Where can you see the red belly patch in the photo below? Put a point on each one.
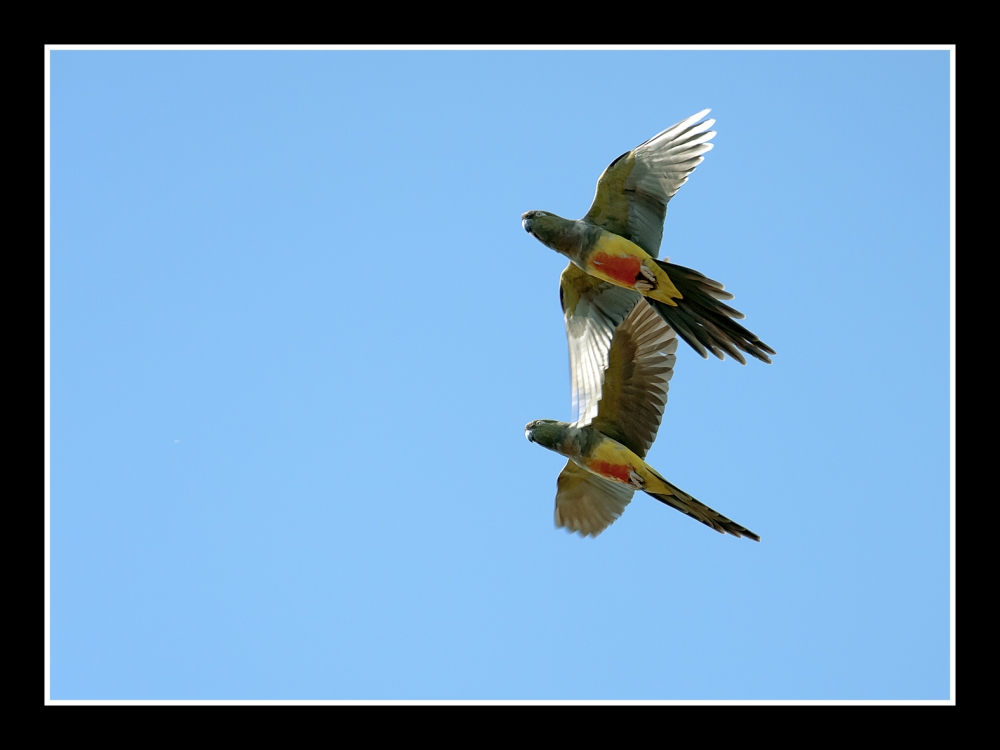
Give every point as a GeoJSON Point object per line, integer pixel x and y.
{"type": "Point", "coordinates": [618, 268]}
{"type": "Point", "coordinates": [611, 471]}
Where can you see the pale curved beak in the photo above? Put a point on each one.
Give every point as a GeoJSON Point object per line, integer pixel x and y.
{"type": "Point", "coordinates": [527, 434]}
{"type": "Point", "coordinates": [526, 223]}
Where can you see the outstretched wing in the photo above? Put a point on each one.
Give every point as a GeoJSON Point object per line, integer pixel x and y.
{"type": "Point", "coordinates": [634, 393]}
{"type": "Point", "coordinates": [593, 309]}
{"type": "Point", "coordinates": [632, 193]}
{"type": "Point", "coordinates": [586, 502]}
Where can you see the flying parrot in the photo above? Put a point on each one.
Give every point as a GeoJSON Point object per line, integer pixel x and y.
{"type": "Point", "coordinates": [607, 445]}
{"type": "Point", "coordinates": [613, 249]}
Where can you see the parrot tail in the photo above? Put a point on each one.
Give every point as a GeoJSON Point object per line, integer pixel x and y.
{"type": "Point", "coordinates": [706, 323]}
{"type": "Point", "coordinates": [682, 501]}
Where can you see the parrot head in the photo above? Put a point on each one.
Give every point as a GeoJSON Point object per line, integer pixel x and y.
{"type": "Point", "coordinates": [547, 228]}
{"type": "Point", "coordinates": [546, 432]}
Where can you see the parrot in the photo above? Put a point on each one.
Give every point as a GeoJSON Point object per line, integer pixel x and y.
{"type": "Point", "coordinates": [613, 252]}
{"type": "Point", "coordinates": [607, 444]}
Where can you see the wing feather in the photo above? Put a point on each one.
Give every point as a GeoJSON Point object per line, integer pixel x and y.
{"type": "Point", "coordinates": [593, 309]}
{"type": "Point", "coordinates": [587, 503]}
{"type": "Point", "coordinates": [633, 191]}
{"type": "Point", "coordinates": [636, 381]}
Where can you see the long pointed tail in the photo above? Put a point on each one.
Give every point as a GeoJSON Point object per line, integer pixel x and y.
{"type": "Point", "coordinates": [703, 321]}
{"type": "Point", "coordinates": [682, 501]}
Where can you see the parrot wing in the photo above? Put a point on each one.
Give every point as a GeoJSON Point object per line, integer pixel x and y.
{"type": "Point", "coordinates": [634, 392]}
{"type": "Point", "coordinates": [593, 309]}
{"type": "Point", "coordinates": [588, 503]}
{"type": "Point", "coordinates": [633, 192]}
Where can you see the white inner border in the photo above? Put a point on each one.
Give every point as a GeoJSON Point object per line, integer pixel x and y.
{"type": "Point", "coordinates": [462, 47]}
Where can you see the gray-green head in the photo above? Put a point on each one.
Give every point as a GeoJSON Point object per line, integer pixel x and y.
{"type": "Point", "coordinates": [547, 228]}
{"type": "Point", "coordinates": [546, 432]}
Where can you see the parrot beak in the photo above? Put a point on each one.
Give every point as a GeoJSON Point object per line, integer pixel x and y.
{"type": "Point", "coordinates": [526, 223]}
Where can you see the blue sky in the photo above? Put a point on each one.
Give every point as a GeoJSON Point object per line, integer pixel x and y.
{"type": "Point", "coordinates": [297, 331]}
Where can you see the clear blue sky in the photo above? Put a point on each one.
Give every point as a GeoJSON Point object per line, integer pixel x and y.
{"type": "Point", "coordinates": [297, 331]}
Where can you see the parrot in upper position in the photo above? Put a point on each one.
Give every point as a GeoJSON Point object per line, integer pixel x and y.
{"type": "Point", "coordinates": [615, 428]}
{"type": "Point", "coordinates": [612, 252]}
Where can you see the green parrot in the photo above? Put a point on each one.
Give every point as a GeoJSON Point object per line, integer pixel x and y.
{"type": "Point", "coordinates": [612, 251]}
{"type": "Point", "coordinates": [607, 445]}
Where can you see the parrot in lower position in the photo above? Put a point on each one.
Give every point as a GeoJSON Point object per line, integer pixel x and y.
{"type": "Point", "coordinates": [617, 241]}
{"type": "Point", "coordinates": [617, 424]}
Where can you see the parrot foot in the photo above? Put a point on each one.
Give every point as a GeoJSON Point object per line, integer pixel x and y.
{"type": "Point", "coordinates": [635, 480]}
{"type": "Point", "coordinates": [648, 281]}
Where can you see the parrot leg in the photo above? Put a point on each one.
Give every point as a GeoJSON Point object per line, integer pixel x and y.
{"type": "Point", "coordinates": [648, 282]}
{"type": "Point", "coordinates": [635, 480]}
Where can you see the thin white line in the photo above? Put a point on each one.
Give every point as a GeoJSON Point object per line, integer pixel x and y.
{"type": "Point", "coordinates": [505, 702]}
{"type": "Point", "coordinates": [951, 333]}
{"type": "Point", "coordinates": [48, 362]}
{"type": "Point", "coordinates": [511, 47]}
